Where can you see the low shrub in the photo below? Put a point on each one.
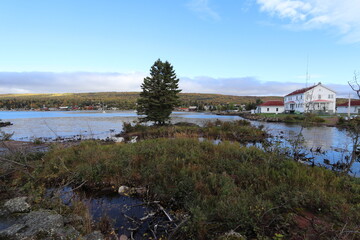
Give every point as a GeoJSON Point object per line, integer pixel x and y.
{"type": "Point", "coordinates": [240, 131]}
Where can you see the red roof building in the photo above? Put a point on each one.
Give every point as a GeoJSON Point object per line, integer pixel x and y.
{"type": "Point", "coordinates": [317, 98]}
{"type": "Point", "coordinates": [273, 103]}
{"type": "Point", "coordinates": [273, 106]}
{"type": "Point", "coordinates": [352, 103]}
{"type": "Point", "coordinates": [344, 107]}
{"type": "Point", "coordinates": [299, 91]}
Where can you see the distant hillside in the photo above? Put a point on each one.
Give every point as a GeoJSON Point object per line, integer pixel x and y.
{"type": "Point", "coordinates": [121, 100]}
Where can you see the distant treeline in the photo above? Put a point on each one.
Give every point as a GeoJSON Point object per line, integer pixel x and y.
{"type": "Point", "coordinates": [124, 101]}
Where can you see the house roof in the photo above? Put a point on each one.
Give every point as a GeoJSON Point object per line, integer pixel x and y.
{"type": "Point", "coordinates": [299, 91]}
{"type": "Point", "coordinates": [352, 103]}
{"type": "Point", "coordinates": [272, 103]}
{"type": "Point", "coordinates": [302, 90]}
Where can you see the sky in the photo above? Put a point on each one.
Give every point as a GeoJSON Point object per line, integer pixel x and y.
{"type": "Point", "coordinates": [236, 47]}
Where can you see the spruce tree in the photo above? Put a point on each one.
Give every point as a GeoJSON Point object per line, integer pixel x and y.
{"type": "Point", "coordinates": [159, 94]}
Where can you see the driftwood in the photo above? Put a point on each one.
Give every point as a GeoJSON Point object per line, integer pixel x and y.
{"type": "Point", "coordinates": [167, 215]}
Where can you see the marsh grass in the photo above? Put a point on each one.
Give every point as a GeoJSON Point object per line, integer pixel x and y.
{"type": "Point", "coordinates": [240, 131]}
{"type": "Point", "coordinates": [221, 187]}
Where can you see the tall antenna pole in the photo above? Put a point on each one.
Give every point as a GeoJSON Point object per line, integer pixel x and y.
{"type": "Point", "coordinates": [349, 105]}
{"type": "Point", "coordinates": [307, 70]}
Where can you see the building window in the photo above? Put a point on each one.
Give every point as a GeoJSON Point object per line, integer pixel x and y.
{"type": "Point", "coordinates": [319, 97]}
{"type": "Point", "coordinates": [268, 109]}
{"type": "Point", "coordinates": [277, 109]}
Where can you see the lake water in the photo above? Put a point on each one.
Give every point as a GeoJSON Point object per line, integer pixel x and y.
{"type": "Point", "coordinates": [29, 125]}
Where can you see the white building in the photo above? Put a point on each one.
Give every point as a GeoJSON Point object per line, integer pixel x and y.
{"type": "Point", "coordinates": [354, 107]}
{"type": "Point", "coordinates": [317, 98]}
{"type": "Point", "coordinates": [270, 107]}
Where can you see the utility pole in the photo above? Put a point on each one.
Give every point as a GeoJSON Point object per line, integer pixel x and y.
{"type": "Point", "coordinates": [349, 104]}
{"type": "Point", "coordinates": [307, 70]}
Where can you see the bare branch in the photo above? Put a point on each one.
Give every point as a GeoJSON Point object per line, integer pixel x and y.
{"type": "Point", "coordinates": [354, 84]}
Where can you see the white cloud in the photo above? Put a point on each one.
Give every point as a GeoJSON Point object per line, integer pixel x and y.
{"type": "Point", "coordinates": [310, 14]}
{"type": "Point", "coordinates": [47, 82]}
{"type": "Point", "coordinates": [202, 8]}
{"type": "Point", "coordinates": [295, 10]}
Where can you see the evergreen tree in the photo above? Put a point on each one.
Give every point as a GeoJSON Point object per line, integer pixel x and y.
{"type": "Point", "coordinates": [159, 93]}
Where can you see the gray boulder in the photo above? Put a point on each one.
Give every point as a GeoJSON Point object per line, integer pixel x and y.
{"type": "Point", "coordinates": [94, 236]}
{"type": "Point", "coordinates": [40, 225]}
{"type": "Point", "coordinates": [17, 205]}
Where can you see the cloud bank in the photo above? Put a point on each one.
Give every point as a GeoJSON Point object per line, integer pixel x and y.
{"type": "Point", "coordinates": [311, 14]}
{"type": "Point", "coordinates": [47, 82]}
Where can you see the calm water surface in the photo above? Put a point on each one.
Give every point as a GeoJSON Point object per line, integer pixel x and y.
{"type": "Point", "coordinates": [29, 125]}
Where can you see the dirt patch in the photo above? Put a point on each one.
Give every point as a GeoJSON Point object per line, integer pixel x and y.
{"type": "Point", "coordinates": [310, 226]}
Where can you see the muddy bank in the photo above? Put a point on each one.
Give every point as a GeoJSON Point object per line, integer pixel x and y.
{"type": "Point", "coordinates": [308, 119]}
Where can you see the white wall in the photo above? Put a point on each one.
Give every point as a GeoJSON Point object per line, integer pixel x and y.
{"type": "Point", "coordinates": [343, 109]}
{"type": "Point", "coordinates": [270, 109]}
{"type": "Point", "coordinates": [317, 93]}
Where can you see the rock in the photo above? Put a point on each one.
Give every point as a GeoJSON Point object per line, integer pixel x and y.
{"type": "Point", "coordinates": [133, 139]}
{"type": "Point", "coordinates": [40, 225]}
{"type": "Point", "coordinates": [123, 237]}
{"type": "Point", "coordinates": [74, 220]}
{"type": "Point", "coordinates": [4, 124]}
{"type": "Point", "coordinates": [117, 139]}
{"type": "Point", "coordinates": [17, 205]}
{"type": "Point", "coordinates": [69, 232]}
{"type": "Point", "coordinates": [94, 236]}
{"type": "Point", "coordinates": [233, 235]}
{"type": "Point", "coordinates": [140, 190]}
{"type": "Point", "coordinates": [43, 219]}
{"type": "Point", "coordinates": [12, 231]}
{"type": "Point", "coordinates": [123, 190]}
{"type": "Point", "coordinates": [4, 212]}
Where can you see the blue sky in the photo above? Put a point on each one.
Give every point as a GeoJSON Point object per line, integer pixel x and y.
{"type": "Point", "coordinates": [238, 47]}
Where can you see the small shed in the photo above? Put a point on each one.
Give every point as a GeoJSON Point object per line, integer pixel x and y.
{"type": "Point", "coordinates": [274, 106]}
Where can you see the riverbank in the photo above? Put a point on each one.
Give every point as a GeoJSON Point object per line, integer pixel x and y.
{"type": "Point", "coordinates": [293, 118]}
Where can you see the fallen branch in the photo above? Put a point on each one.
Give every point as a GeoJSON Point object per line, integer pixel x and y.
{"type": "Point", "coordinates": [79, 185]}
{"type": "Point", "coordinates": [167, 215]}
{"type": "Point", "coordinates": [147, 216]}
